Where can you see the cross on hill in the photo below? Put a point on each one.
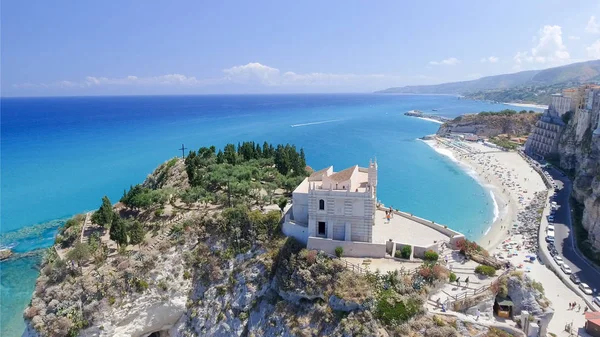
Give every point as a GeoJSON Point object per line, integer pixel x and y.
{"type": "Point", "coordinates": [183, 148]}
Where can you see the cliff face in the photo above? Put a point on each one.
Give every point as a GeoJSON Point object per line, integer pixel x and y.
{"type": "Point", "coordinates": [195, 275]}
{"type": "Point", "coordinates": [579, 152]}
{"type": "Point", "coordinates": [491, 125]}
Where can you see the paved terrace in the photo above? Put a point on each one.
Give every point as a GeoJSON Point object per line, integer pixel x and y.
{"type": "Point", "coordinates": [401, 229]}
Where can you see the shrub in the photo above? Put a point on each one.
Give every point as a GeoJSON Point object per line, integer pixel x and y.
{"type": "Point", "coordinates": [111, 300]}
{"type": "Point", "coordinates": [431, 256]}
{"type": "Point", "coordinates": [406, 251]}
{"type": "Point", "coordinates": [187, 275]}
{"type": "Point", "coordinates": [398, 254]}
{"type": "Point", "coordinates": [537, 286]}
{"type": "Point", "coordinates": [485, 270]}
{"type": "Point", "coordinates": [140, 285]}
{"type": "Point", "coordinates": [339, 251]}
{"type": "Point", "coordinates": [162, 285]}
{"type": "Point", "coordinates": [392, 309]}
{"type": "Point", "coordinates": [452, 277]}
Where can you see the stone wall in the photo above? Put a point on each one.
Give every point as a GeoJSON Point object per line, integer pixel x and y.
{"type": "Point", "coordinates": [419, 251]}
{"type": "Point", "coordinates": [351, 249]}
{"type": "Point", "coordinates": [296, 231]}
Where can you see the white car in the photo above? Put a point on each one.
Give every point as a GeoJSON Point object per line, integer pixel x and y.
{"type": "Point", "coordinates": [597, 300]}
{"type": "Point", "coordinates": [558, 260]}
{"type": "Point", "coordinates": [550, 232]}
{"type": "Point", "coordinates": [566, 269]}
{"type": "Point", "coordinates": [550, 228]}
{"type": "Point", "coordinates": [585, 288]}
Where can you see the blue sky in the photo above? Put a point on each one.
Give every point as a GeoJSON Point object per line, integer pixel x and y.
{"type": "Point", "coordinates": [198, 47]}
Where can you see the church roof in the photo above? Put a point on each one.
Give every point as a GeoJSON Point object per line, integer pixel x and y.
{"type": "Point", "coordinates": [343, 175]}
{"type": "Point", "coordinates": [318, 176]}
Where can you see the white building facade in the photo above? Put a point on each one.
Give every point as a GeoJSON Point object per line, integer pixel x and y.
{"type": "Point", "coordinates": [337, 205]}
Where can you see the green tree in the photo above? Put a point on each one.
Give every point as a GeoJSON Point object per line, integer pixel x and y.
{"type": "Point", "coordinates": [118, 231]}
{"type": "Point", "coordinates": [80, 253]}
{"type": "Point", "coordinates": [103, 216]}
{"type": "Point", "coordinates": [136, 233]}
{"type": "Point", "coordinates": [230, 154]}
{"type": "Point", "coordinates": [282, 202]}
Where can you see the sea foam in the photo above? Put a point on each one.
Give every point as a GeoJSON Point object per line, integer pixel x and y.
{"type": "Point", "coordinates": [471, 172]}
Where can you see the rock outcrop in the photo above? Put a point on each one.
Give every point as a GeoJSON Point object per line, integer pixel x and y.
{"type": "Point", "coordinates": [491, 124]}
{"type": "Point", "coordinates": [579, 151]}
{"type": "Point", "coordinates": [5, 254]}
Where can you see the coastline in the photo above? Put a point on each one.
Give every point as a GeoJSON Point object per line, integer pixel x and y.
{"type": "Point", "coordinates": [526, 105]}
{"type": "Point", "coordinates": [430, 120]}
{"type": "Point", "coordinates": [506, 180]}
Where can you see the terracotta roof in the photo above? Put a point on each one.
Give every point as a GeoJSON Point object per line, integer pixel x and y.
{"type": "Point", "coordinates": [593, 317]}
{"type": "Point", "coordinates": [343, 175]}
{"type": "Point", "coordinates": [318, 176]}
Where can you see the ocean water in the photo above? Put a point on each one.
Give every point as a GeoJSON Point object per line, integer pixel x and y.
{"type": "Point", "coordinates": [61, 155]}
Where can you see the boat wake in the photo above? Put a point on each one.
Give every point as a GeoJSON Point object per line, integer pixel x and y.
{"type": "Point", "coordinates": [314, 123]}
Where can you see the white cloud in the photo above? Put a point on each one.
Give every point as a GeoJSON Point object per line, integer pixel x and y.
{"type": "Point", "coordinates": [251, 74]}
{"type": "Point", "coordinates": [574, 38]}
{"type": "Point", "coordinates": [593, 51]}
{"type": "Point", "coordinates": [548, 49]}
{"type": "Point", "coordinates": [491, 59]}
{"type": "Point", "coordinates": [91, 81]}
{"type": "Point", "coordinates": [447, 62]}
{"type": "Point", "coordinates": [592, 26]}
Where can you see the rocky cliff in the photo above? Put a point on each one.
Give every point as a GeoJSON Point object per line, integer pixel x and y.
{"type": "Point", "coordinates": [579, 154]}
{"type": "Point", "coordinates": [487, 124]}
{"type": "Point", "coordinates": [209, 270]}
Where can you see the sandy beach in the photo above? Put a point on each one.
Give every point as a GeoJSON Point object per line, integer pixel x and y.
{"type": "Point", "coordinates": [430, 120]}
{"type": "Point", "coordinates": [525, 105]}
{"type": "Point", "coordinates": [506, 175]}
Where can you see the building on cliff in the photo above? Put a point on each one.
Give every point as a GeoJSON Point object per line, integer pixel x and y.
{"type": "Point", "coordinates": [543, 140]}
{"type": "Point", "coordinates": [340, 209]}
{"type": "Point", "coordinates": [338, 205]}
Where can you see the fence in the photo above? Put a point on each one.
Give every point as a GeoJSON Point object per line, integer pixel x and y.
{"type": "Point", "coordinates": [474, 292]}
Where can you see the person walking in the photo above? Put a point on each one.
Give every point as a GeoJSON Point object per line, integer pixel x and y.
{"type": "Point", "coordinates": [478, 314]}
{"type": "Point", "coordinates": [467, 281]}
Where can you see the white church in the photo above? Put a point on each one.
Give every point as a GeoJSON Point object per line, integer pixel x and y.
{"type": "Point", "coordinates": [339, 206]}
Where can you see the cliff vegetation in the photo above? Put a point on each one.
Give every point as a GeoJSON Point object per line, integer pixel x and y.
{"type": "Point", "coordinates": [197, 249]}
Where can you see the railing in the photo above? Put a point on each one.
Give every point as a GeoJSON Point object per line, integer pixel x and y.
{"type": "Point", "coordinates": [475, 292]}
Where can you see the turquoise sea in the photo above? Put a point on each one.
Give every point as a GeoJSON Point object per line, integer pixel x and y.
{"type": "Point", "coordinates": [61, 155]}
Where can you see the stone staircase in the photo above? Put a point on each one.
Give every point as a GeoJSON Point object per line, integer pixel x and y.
{"type": "Point", "coordinates": [166, 230]}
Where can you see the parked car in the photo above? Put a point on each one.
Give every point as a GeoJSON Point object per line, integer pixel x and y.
{"type": "Point", "coordinates": [550, 228]}
{"type": "Point", "coordinates": [566, 269]}
{"type": "Point", "coordinates": [551, 246]}
{"type": "Point", "coordinates": [597, 300]}
{"type": "Point", "coordinates": [553, 252]}
{"type": "Point", "coordinates": [549, 238]}
{"type": "Point", "coordinates": [558, 260]}
{"type": "Point", "coordinates": [575, 278]}
{"type": "Point", "coordinates": [550, 218]}
{"type": "Point", "coordinates": [585, 288]}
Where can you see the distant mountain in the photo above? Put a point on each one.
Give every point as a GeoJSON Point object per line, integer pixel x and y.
{"type": "Point", "coordinates": [568, 75]}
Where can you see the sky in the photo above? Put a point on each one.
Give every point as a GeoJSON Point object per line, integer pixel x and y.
{"type": "Point", "coordinates": [70, 48]}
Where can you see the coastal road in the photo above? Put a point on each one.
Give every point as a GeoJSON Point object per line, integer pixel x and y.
{"type": "Point", "coordinates": [565, 237]}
